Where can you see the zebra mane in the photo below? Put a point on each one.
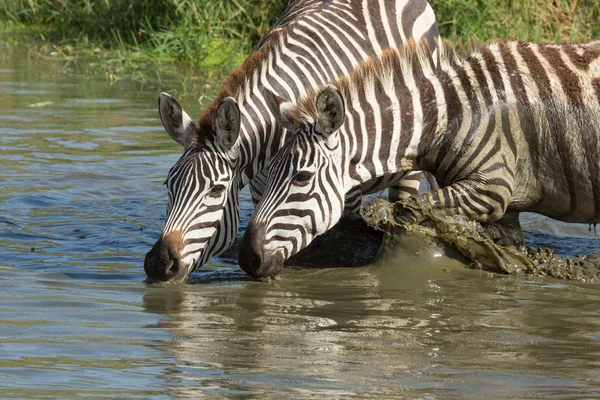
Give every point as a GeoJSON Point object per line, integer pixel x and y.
{"type": "Point", "coordinates": [236, 82]}
{"type": "Point", "coordinates": [412, 61]}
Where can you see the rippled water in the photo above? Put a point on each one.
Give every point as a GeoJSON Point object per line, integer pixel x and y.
{"type": "Point", "coordinates": [81, 168]}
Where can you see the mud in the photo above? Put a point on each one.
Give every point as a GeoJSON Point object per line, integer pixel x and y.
{"type": "Point", "coordinates": [350, 243]}
{"type": "Point", "coordinates": [456, 236]}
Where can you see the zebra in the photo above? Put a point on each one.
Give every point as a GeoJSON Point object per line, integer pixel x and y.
{"type": "Point", "coordinates": [315, 41]}
{"type": "Point", "coordinates": [505, 128]}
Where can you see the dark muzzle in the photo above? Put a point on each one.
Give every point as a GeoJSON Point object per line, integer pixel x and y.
{"type": "Point", "coordinates": [253, 258]}
{"type": "Point", "coordinates": [163, 262]}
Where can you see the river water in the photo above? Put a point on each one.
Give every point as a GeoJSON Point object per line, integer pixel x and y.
{"type": "Point", "coordinates": [81, 201]}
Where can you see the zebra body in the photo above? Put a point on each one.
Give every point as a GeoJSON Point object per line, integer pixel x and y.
{"type": "Point", "coordinates": [315, 41]}
{"type": "Point", "coordinates": [511, 127]}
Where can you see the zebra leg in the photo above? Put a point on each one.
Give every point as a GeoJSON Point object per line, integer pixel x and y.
{"type": "Point", "coordinates": [405, 187]}
{"type": "Point", "coordinates": [409, 186]}
{"type": "Point", "coordinates": [352, 204]}
{"type": "Point", "coordinates": [506, 231]}
{"type": "Point", "coordinates": [483, 202]}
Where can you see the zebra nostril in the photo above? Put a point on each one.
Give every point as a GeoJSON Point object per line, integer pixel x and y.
{"type": "Point", "coordinates": [249, 261]}
{"type": "Point", "coordinates": [255, 263]}
{"type": "Point", "coordinates": [251, 252]}
{"type": "Point", "coordinates": [173, 268]}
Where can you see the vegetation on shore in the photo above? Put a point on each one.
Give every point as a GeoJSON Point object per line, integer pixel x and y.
{"type": "Point", "coordinates": [208, 37]}
{"type": "Point", "coordinates": [202, 39]}
{"type": "Point", "coordinates": [193, 33]}
{"type": "Point", "coordinates": [529, 20]}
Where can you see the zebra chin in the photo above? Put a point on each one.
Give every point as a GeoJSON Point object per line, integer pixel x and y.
{"type": "Point", "coordinates": [254, 259]}
{"type": "Point", "coordinates": [163, 262]}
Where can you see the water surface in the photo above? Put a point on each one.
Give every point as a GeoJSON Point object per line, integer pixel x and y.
{"type": "Point", "coordinates": [81, 171]}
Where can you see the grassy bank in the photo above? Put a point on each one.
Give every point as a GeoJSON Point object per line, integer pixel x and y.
{"type": "Point", "coordinates": [195, 33]}
{"type": "Point", "coordinates": [530, 20]}
{"type": "Point", "coordinates": [208, 37]}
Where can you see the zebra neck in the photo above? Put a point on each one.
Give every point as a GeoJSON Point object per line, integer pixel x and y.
{"type": "Point", "coordinates": [380, 135]}
{"type": "Point", "coordinates": [422, 120]}
{"type": "Point", "coordinates": [262, 138]}
{"type": "Point", "coordinates": [461, 102]}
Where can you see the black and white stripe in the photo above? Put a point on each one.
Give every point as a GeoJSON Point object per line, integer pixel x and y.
{"type": "Point", "coordinates": [510, 127]}
{"type": "Point", "coordinates": [314, 42]}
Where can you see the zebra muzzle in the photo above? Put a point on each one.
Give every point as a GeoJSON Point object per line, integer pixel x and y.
{"type": "Point", "coordinates": [254, 259]}
{"type": "Point", "coordinates": [163, 262]}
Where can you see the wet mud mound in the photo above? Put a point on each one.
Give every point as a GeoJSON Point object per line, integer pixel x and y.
{"type": "Point", "coordinates": [461, 237]}
{"type": "Point", "coordinates": [350, 243]}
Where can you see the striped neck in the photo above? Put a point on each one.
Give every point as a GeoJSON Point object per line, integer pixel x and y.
{"type": "Point", "coordinates": [401, 112]}
{"type": "Point", "coordinates": [463, 103]}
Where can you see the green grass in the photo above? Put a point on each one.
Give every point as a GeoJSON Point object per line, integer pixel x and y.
{"type": "Point", "coordinates": [530, 20]}
{"type": "Point", "coordinates": [209, 37]}
{"type": "Point", "coordinates": [193, 33]}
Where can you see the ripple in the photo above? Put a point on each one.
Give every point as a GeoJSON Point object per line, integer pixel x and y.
{"type": "Point", "coordinates": [82, 202]}
{"type": "Point", "coordinates": [218, 275]}
{"type": "Point", "coordinates": [79, 102]}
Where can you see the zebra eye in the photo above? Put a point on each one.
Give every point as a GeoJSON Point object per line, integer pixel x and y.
{"type": "Point", "coordinates": [217, 191]}
{"type": "Point", "coordinates": [302, 178]}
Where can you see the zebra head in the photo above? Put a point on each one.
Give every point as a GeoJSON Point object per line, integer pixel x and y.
{"type": "Point", "coordinates": [203, 190]}
{"type": "Point", "coordinates": [305, 190]}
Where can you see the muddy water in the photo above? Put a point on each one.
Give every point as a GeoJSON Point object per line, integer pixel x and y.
{"type": "Point", "coordinates": [81, 201]}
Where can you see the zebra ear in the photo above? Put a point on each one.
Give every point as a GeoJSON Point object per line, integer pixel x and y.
{"type": "Point", "coordinates": [228, 122]}
{"type": "Point", "coordinates": [280, 108]}
{"type": "Point", "coordinates": [331, 109]}
{"type": "Point", "coordinates": [177, 123]}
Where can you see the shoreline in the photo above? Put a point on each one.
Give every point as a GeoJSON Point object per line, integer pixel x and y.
{"type": "Point", "coordinates": [182, 43]}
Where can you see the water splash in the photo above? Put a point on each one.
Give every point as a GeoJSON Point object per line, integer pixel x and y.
{"type": "Point", "coordinates": [468, 238]}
